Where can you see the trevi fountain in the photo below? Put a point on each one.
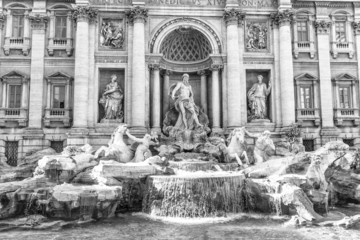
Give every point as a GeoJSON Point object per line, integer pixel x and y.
{"type": "Point", "coordinates": [185, 183]}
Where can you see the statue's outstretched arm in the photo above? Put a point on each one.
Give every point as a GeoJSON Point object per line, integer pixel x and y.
{"type": "Point", "coordinates": [139, 140]}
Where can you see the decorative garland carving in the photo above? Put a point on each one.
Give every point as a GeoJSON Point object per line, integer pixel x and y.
{"type": "Point", "coordinates": [2, 20]}
{"type": "Point", "coordinates": [38, 21]}
{"type": "Point", "coordinates": [84, 12]}
{"type": "Point", "coordinates": [216, 67]}
{"type": "Point", "coordinates": [137, 14]}
{"type": "Point", "coordinates": [233, 16]}
{"type": "Point", "coordinates": [322, 27]}
{"type": "Point", "coordinates": [356, 26]}
{"type": "Point", "coordinates": [282, 17]}
{"type": "Point", "coordinates": [154, 66]}
{"type": "Point", "coordinates": [184, 19]}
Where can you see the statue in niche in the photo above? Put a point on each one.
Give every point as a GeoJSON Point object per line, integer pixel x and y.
{"type": "Point", "coordinates": [185, 121]}
{"type": "Point", "coordinates": [256, 36]}
{"type": "Point", "coordinates": [112, 100]}
{"type": "Point", "coordinates": [257, 96]}
{"type": "Point", "coordinates": [184, 103]}
{"type": "Point", "coordinates": [111, 35]}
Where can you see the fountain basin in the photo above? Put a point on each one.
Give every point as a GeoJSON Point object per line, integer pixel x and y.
{"type": "Point", "coordinates": [194, 194]}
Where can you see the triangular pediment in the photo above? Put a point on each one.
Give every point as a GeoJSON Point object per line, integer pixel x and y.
{"type": "Point", "coordinates": [345, 77]}
{"type": "Point", "coordinates": [14, 74]}
{"type": "Point", "coordinates": [59, 75]}
{"type": "Point", "coordinates": [306, 77]}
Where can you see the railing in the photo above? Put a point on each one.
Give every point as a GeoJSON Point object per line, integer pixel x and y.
{"type": "Point", "coordinates": [60, 42]}
{"type": "Point", "coordinates": [16, 41]}
{"type": "Point", "coordinates": [346, 114]}
{"type": "Point", "coordinates": [12, 112]}
{"type": "Point", "coordinates": [303, 44]}
{"type": "Point", "coordinates": [57, 112]}
{"type": "Point", "coordinates": [307, 112]}
{"type": "Point", "coordinates": [343, 45]}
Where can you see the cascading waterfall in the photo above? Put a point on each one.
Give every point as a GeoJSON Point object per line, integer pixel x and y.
{"type": "Point", "coordinates": [194, 195]}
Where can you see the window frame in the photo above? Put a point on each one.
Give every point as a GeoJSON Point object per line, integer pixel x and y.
{"type": "Point", "coordinates": [55, 85]}
{"type": "Point", "coordinates": [60, 15]}
{"type": "Point", "coordinates": [16, 15]}
{"type": "Point", "coordinates": [8, 97]}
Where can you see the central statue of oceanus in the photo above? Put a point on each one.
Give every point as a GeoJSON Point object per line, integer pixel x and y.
{"type": "Point", "coordinates": [185, 121]}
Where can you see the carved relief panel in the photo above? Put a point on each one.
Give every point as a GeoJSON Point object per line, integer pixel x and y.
{"type": "Point", "coordinates": [111, 34]}
{"type": "Point", "coordinates": [256, 36]}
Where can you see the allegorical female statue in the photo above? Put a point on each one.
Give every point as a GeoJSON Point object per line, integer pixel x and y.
{"type": "Point", "coordinates": [112, 100]}
{"type": "Point", "coordinates": [257, 96]}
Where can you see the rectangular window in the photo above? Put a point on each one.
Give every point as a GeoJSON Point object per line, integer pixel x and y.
{"type": "Point", "coordinates": [60, 27]}
{"type": "Point", "coordinates": [58, 146]}
{"type": "Point", "coordinates": [18, 26]}
{"type": "Point", "coordinates": [302, 31]}
{"type": "Point", "coordinates": [308, 144]}
{"type": "Point", "coordinates": [14, 96]}
{"type": "Point", "coordinates": [344, 97]}
{"type": "Point", "coordinates": [349, 142]}
{"type": "Point", "coordinates": [340, 30]}
{"type": "Point", "coordinates": [58, 97]}
{"type": "Point", "coordinates": [305, 97]}
{"type": "Point", "coordinates": [11, 152]}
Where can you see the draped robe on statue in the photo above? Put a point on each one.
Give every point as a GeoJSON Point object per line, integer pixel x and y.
{"type": "Point", "coordinates": [257, 100]}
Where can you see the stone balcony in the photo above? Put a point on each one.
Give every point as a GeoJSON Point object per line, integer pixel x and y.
{"type": "Point", "coordinates": [342, 115]}
{"type": "Point", "coordinates": [56, 117]}
{"type": "Point", "coordinates": [65, 44]}
{"type": "Point", "coordinates": [13, 117]}
{"type": "Point", "coordinates": [308, 114]}
{"type": "Point", "coordinates": [304, 47]}
{"type": "Point", "coordinates": [12, 43]}
{"type": "Point", "coordinates": [342, 47]}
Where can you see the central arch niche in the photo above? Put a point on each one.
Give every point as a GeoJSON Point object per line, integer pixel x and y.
{"type": "Point", "coordinates": [185, 45]}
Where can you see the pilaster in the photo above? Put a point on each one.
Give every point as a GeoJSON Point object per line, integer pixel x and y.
{"type": "Point", "coordinates": [155, 98]}
{"type": "Point", "coordinates": [231, 18]}
{"type": "Point", "coordinates": [215, 97]}
{"type": "Point", "coordinates": [283, 19]}
{"type": "Point", "coordinates": [326, 99]}
{"type": "Point", "coordinates": [38, 23]}
{"type": "Point", "coordinates": [82, 15]}
{"type": "Point", "coordinates": [137, 16]}
{"type": "Point", "coordinates": [203, 90]}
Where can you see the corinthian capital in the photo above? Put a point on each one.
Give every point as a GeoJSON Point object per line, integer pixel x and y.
{"type": "Point", "coordinates": [282, 17]}
{"type": "Point", "coordinates": [233, 16]}
{"type": "Point", "coordinates": [38, 21]}
{"type": "Point", "coordinates": [322, 27]}
{"type": "Point", "coordinates": [137, 14]}
{"type": "Point", "coordinates": [84, 13]}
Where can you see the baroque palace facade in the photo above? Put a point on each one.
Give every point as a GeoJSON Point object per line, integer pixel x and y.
{"type": "Point", "coordinates": [60, 60]}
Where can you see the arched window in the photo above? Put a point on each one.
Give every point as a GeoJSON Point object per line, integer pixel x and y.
{"type": "Point", "coordinates": [303, 34]}
{"type": "Point", "coordinates": [60, 30]}
{"type": "Point", "coordinates": [17, 35]}
{"type": "Point", "coordinates": [341, 34]}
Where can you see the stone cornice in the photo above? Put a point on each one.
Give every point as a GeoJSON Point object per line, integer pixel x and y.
{"type": "Point", "coordinates": [233, 16]}
{"type": "Point", "coordinates": [282, 17]}
{"type": "Point", "coordinates": [38, 21]}
{"type": "Point", "coordinates": [322, 27]}
{"type": "Point", "coordinates": [216, 67]}
{"type": "Point", "coordinates": [84, 13]}
{"type": "Point", "coordinates": [137, 14]}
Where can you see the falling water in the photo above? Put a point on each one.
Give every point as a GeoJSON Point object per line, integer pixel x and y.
{"type": "Point", "coordinates": [194, 195]}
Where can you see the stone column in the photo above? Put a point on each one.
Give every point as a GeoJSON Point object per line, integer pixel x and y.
{"type": "Point", "coordinates": [283, 19]}
{"type": "Point", "coordinates": [137, 16]}
{"type": "Point", "coordinates": [166, 96]}
{"type": "Point", "coordinates": [215, 97]}
{"type": "Point", "coordinates": [83, 16]}
{"type": "Point", "coordinates": [67, 94]}
{"type": "Point", "coordinates": [48, 104]}
{"type": "Point", "coordinates": [8, 32]}
{"type": "Point", "coordinates": [2, 22]}
{"type": "Point", "coordinates": [231, 18]}
{"type": "Point", "coordinates": [155, 98]}
{"type": "Point", "coordinates": [203, 90]}
{"type": "Point", "coordinates": [52, 25]}
{"type": "Point", "coordinates": [38, 25]}
{"type": "Point", "coordinates": [326, 101]}
{"type": "Point", "coordinates": [4, 89]}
